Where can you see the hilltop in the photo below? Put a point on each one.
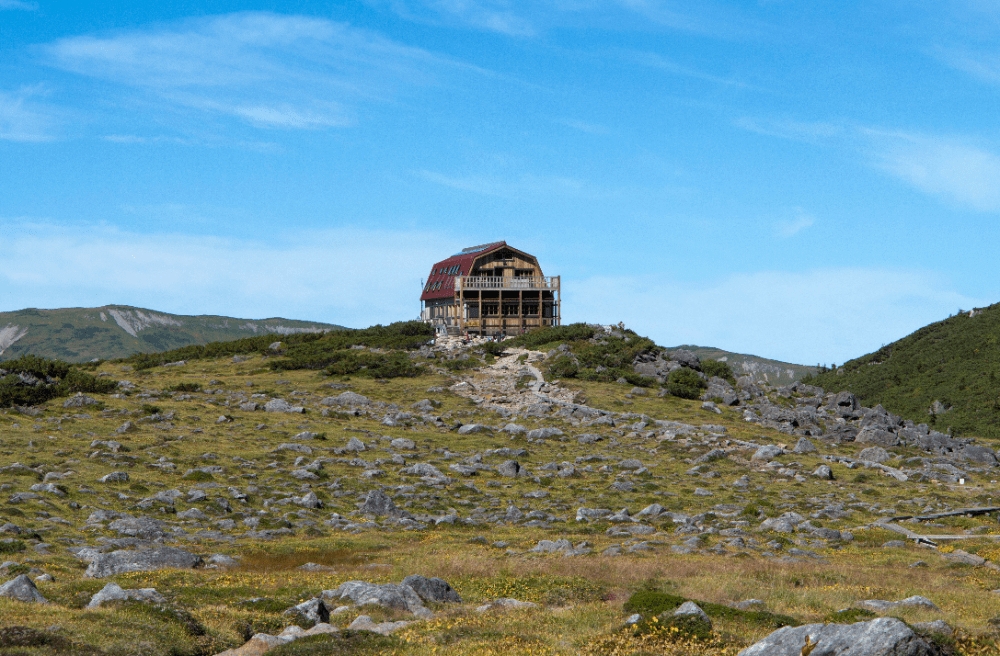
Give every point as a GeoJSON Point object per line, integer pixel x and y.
{"type": "Point", "coordinates": [944, 375]}
{"type": "Point", "coordinates": [474, 499]}
{"type": "Point", "coordinates": [117, 331]}
{"type": "Point", "coordinates": [772, 372]}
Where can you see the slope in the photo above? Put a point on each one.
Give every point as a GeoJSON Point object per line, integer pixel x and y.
{"type": "Point", "coordinates": [772, 372]}
{"type": "Point", "coordinates": [951, 364]}
{"type": "Point", "coordinates": [116, 331]}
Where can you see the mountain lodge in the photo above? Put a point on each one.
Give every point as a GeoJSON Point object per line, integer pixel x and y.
{"type": "Point", "coordinates": [492, 289]}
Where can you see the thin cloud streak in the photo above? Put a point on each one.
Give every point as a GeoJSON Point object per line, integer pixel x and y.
{"type": "Point", "coordinates": [659, 62]}
{"type": "Point", "coordinates": [947, 166]}
{"type": "Point", "coordinates": [330, 276]}
{"type": "Point", "coordinates": [936, 165]}
{"type": "Point", "coordinates": [23, 118]}
{"type": "Point", "coordinates": [526, 185]}
{"type": "Point", "coordinates": [787, 229]}
{"type": "Point", "coordinates": [18, 4]}
{"type": "Point", "coordinates": [267, 70]}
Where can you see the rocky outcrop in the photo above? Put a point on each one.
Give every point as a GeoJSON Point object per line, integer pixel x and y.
{"type": "Point", "coordinates": [143, 560]}
{"type": "Point", "coordinates": [885, 636]}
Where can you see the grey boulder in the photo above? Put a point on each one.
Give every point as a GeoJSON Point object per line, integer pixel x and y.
{"type": "Point", "coordinates": [387, 595]}
{"type": "Point", "coordinates": [767, 453]}
{"type": "Point", "coordinates": [144, 560]}
{"type": "Point", "coordinates": [432, 589]}
{"type": "Point", "coordinates": [885, 636]}
{"type": "Point", "coordinates": [23, 589]}
{"type": "Point", "coordinates": [313, 611]}
{"type": "Point", "coordinates": [380, 505]}
{"type": "Point", "coordinates": [347, 399]}
{"type": "Point", "coordinates": [114, 592]}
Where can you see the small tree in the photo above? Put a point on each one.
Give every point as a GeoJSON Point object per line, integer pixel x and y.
{"type": "Point", "coordinates": [685, 383]}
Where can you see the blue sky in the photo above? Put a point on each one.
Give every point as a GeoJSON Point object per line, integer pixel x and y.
{"type": "Point", "coordinates": [798, 180]}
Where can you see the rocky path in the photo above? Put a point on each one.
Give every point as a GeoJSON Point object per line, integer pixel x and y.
{"type": "Point", "coordinates": [499, 387]}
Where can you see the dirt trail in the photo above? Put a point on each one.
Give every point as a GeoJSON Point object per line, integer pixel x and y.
{"type": "Point", "coordinates": [495, 387]}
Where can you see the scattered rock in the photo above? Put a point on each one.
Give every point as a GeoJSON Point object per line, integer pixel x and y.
{"type": "Point", "coordinates": [143, 560]}
{"type": "Point", "coordinates": [114, 592]}
{"type": "Point", "coordinates": [23, 589]}
{"type": "Point", "coordinates": [885, 636]}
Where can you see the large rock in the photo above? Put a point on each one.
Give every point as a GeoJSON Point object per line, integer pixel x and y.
{"type": "Point", "coordinates": [510, 469]}
{"type": "Point", "coordinates": [144, 560]}
{"type": "Point", "coordinates": [379, 504]}
{"type": "Point", "coordinates": [686, 358]}
{"type": "Point", "coordinates": [388, 595]}
{"type": "Point", "coordinates": [432, 589]}
{"type": "Point", "coordinates": [279, 405]}
{"type": "Point", "coordinates": [23, 589]}
{"type": "Point", "coordinates": [313, 611]}
{"type": "Point", "coordinates": [877, 436]}
{"type": "Point", "coordinates": [885, 636]}
{"type": "Point", "coordinates": [767, 453]}
{"type": "Point", "coordinates": [422, 469]}
{"type": "Point", "coordinates": [874, 454]}
{"type": "Point", "coordinates": [347, 399]}
{"type": "Point", "coordinates": [114, 592]}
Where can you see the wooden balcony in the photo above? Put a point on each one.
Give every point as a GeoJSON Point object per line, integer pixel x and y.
{"type": "Point", "coordinates": [503, 282]}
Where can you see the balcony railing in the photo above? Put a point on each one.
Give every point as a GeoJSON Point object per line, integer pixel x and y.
{"type": "Point", "coordinates": [503, 282]}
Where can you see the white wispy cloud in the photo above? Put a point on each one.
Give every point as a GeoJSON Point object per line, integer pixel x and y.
{"type": "Point", "coordinates": [18, 4]}
{"type": "Point", "coordinates": [267, 70]}
{"type": "Point", "coordinates": [792, 227]}
{"type": "Point", "coordinates": [25, 117]}
{"type": "Point", "coordinates": [529, 18]}
{"type": "Point", "coordinates": [509, 18]}
{"type": "Point", "coordinates": [659, 62]}
{"type": "Point", "coordinates": [585, 126]}
{"type": "Point", "coordinates": [809, 131]}
{"type": "Point", "coordinates": [805, 317]}
{"type": "Point", "coordinates": [522, 186]}
{"type": "Point", "coordinates": [961, 169]}
{"type": "Point", "coordinates": [984, 66]}
{"type": "Point", "coordinates": [351, 276]}
{"type": "Point", "coordinates": [962, 172]}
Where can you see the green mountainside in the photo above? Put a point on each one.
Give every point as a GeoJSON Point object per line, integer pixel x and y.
{"type": "Point", "coordinates": [117, 331]}
{"type": "Point", "coordinates": [772, 372]}
{"type": "Point", "coordinates": [951, 365]}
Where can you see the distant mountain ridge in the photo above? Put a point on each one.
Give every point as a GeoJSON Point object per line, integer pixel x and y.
{"type": "Point", "coordinates": [772, 372]}
{"type": "Point", "coordinates": [117, 331]}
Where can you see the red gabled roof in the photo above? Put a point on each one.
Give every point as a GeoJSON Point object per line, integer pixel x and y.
{"type": "Point", "coordinates": [463, 261]}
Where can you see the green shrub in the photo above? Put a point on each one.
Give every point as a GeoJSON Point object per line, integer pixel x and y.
{"type": "Point", "coordinates": [721, 369]}
{"type": "Point", "coordinates": [12, 546]}
{"type": "Point", "coordinates": [361, 363]}
{"type": "Point", "coordinates": [185, 387]}
{"type": "Point", "coordinates": [495, 349]}
{"type": "Point", "coordinates": [563, 366]}
{"type": "Point", "coordinates": [685, 383]}
{"type": "Point", "coordinates": [652, 602]}
{"type": "Point", "coordinates": [57, 378]}
{"type": "Point", "coordinates": [849, 616]}
{"type": "Point", "coordinates": [572, 333]}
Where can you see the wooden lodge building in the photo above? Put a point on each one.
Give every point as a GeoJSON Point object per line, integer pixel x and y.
{"type": "Point", "coordinates": [491, 289]}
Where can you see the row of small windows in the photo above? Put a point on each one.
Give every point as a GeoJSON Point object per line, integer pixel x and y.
{"type": "Point", "coordinates": [450, 271]}
{"type": "Point", "coordinates": [433, 286]}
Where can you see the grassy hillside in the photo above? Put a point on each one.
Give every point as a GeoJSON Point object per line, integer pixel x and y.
{"type": "Point", "coordinates": [116, 331]}
{"type": "Point", "coordinates": [525, 503]}
{"type": "Point", "coordinates": [955, 362]}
